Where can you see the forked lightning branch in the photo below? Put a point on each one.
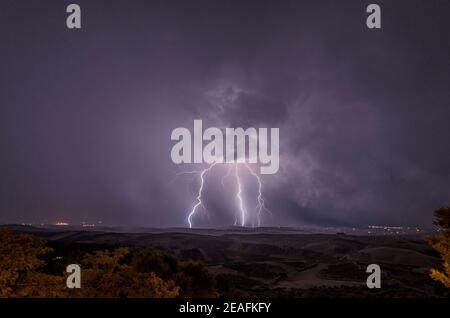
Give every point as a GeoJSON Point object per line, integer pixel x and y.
{"type": "Point", "coordinates": [237, 149]}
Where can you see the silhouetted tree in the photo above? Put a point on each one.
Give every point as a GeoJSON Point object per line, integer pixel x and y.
{"type": "Point", "coordinates": [192, 277]}
{"type": "Point", "coordinates": [105, 274]}
{"type": "Point", "coordinates": [122, 272]}
{"type": "Point", "coordinates": [20, 266]}
{"type": "Point", "coordinates": [441, 243]}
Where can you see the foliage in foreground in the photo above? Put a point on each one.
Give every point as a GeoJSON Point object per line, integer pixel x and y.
{"type": "Point", "coordinates": [441, 243]}
{"type": "Point", "coordinates": [25, 271]}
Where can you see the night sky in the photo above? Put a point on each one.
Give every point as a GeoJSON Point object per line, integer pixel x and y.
{"type": "Point", "coordinates": [86, 115]}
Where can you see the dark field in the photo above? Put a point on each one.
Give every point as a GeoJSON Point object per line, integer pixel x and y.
{"type": "Point", "coordinates": [277, 262]}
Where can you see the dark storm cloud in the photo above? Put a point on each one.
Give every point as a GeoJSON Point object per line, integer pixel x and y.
{"type": "Point", "coordinates": [250, 110]}
{"type": "Point", "coordinates": [240, 108]}
{"type": "Point", "coordinates": [86, 116]}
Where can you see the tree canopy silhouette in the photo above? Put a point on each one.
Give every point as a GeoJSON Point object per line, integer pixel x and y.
{"type": "Point", "coordinates": [441, 243]}
{"type": "Point", "coordinates": [26, 270]}
{"type": "Point", "coordinates": [20, 267]}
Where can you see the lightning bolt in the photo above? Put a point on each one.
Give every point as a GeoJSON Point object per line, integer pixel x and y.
{"type": "Point", "coordinates": [199, 196]}
{"type": "Point", "coordinates": [239, 196]}
{"type": "Point", "coordinates": [261, 203]}
{"type": "Point", "coordinates": [242, 212]}
{"type": "Point", "coordinates": [226, 176]}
